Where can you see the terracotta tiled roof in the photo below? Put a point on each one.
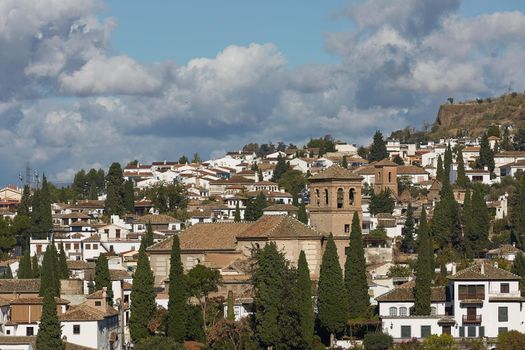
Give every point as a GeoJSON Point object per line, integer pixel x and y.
{"type": "Point", "coordinates": [85, 312]}
{"type": "Point", "coordinates": [80, 224]}
{"type": "Point", "coordinates": [410, 169]}
{"type": "Point", "coordinates": [504, 249]}
{"type": "Point", "coordinates": [17, 340]}
{"type": "Point", "coordinates": [89, 204]}
{"type": "Point", "coordinates": [281, 207]}
{"type": "Point", "coordinates": [278, 226]}
{"type": "Point", "coordinates": [336, 172]}
{"type": "Point", "coordinates": [365, 170]}
{"type": "Point", "coordinates": [405, 293]}
{"type": "Point", "coordinates": [156, 219]}
{"type": "Point", "coordinates": [74, 216]}
{"type": "Point", "coordinates": [20, 286]}
{"type": "Point", "coordinates": [71, 346]}
{"type": "Point", "coordinates": [35, 301]}
{"type": "Point", "coordinates": [385, 162]}
{"type": "Point", "coordinates": [115, 275]}
{"type": "Point", "coordinates": [510, 154]}
{"type": "Point", "coordinates": [92, 238]}
{"type": "Point", "coordinates": [490, 272]}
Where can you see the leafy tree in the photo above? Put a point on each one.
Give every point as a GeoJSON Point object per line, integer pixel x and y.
{"type": "Point", "coordinates": [8, 274]}
{"type": "Point", "coordinates": [143, 304]}
{"type": "Point", "coordinates": [440, 342]}
{"type": "Point", "coordinates": [103, 278]}
{"type": "Point", "coordinates": [114, 182]}
{"type": "Point", "coordinates": [382, 202]}
{"type": "Point", "coordinates": [7, 241]}
{"type": "Point", "coordinates": [424, 267]}
{"type": "Point", "coordinates": [399, 271]}
{"type": "Point", "coordinates": [168, 197]}
{"type": "Point", "coordinates": [486, 155]}
{"type": "Point", "coordinates": [293, 181]}
{"type": "Point", "coordinates": [196, 158]}
{"type": "Point", "coordinates": [25, 202]}
{"type": "Point", "coordinates": [34, 266]}
{"type": "Point", "coordinates": [363, 152]}
{"type": "Point", "coordinates": [230, 314]}
{"type": "Point", "coordinates": [398, 160]}
{"type": "Point", "coordinates": [128, 196]}
{"type": "Point", "coordinates": [493, 130]}
{"type": "Point", "coordinates": [49, 335]}
{"type": "Point", "coordinates": [183, 160]}
{"type": "Point", "coordinates": [518, 266]}
{"type": "Point", "coordinates": [280, 168]}
{"type": "Point", "coordinates": [229, 334]}
{"type": "Point", "coordinates": [462, 179]}
{"type": "Point", "coordinates": [306, 310]}
{"type": "Point", "coordinates": [49, 276]}
{"type": "Point", "coordinates": [512, 340]}
{"type": "Point", "coordinates": [176, 320]}
{"type": "Point", "coordinates": [332, 301]}
{"type": "Point", "coordinates": [355, 273]}
{"type": "Point", "coordinates": [201, 281]}
{"type": "Point", "coordinates": [440, 172]}
{"type": "Point", "coordinates": [237, 216]}
{"type": "Point", "coordinates": [378, 149]}
{"type": "Point", "coordinates": [21, 227]}
{"type": "Point", "coordinates": [24, 266]}
{"type": "Point", "coordinates": [63, 270]}
{"type": "Point", "coordinates": [407, 232]}
{"type": "Point", "coordinates": [158, 343]}
{"type": "Point", "coordinates": [302, 216]}
{"type": "Point", "coordinates": [378, 341]}
{"type": "Point", "coordinates": [325, 144]}
{"type": "Point", "coordinates": [254, 209]}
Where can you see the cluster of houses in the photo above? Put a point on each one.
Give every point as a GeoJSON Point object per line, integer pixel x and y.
{"type": "Point", "coordinates": [467, 307]}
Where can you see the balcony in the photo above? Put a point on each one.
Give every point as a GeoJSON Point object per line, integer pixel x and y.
{"type": "Point", "coordinates": [471, 319]}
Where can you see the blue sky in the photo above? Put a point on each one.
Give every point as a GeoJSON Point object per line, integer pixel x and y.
{"type": "Point", "coordinates": [84, 83]}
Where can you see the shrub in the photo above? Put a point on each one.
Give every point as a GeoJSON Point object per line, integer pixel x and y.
{"type": "Point", "coordinates": [378, 341]}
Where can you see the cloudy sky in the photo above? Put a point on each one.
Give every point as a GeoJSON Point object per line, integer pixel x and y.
{"type": "Point", "coordinates": [87, 82]}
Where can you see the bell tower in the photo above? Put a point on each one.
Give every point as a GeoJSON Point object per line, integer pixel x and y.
{"type": "Point", "coordinates": [335, 195]}
{"type": "Point", "coordinates": [385, 176]}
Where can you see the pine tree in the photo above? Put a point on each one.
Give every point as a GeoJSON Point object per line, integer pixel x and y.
{"type": "Point", "coordinates": [25, 202]}
{"type": "Point", "coordinates": [143, 304]}
{"type": "Point", "coordinates": [49, 276]}
{"type": "Point", "coordinates": [302, 216]}
{"type": "Point", "coordinates": [93, 191]}
{"type": "Point", "coordinates": [439, 170]}
{"type": "Point", "coordinates": [407, 232]}
{"type": "Point", "coordinates": [103, 278]}
{"type": "Point", "coordinates": [177, 309]}
{"type": "Point", "coordinates": [24, 266]}
{"type": "Point", "coordinates": [128, 196]}
{"type": "Point", "coordinates": [422, 289]}
{"type": "Point", "coordinates": [148, 237]}
{"type": "Point", "coordinates": [34, 267]}
{"type": "Point", "coordinates": [378, 149]}
{"type": "Point", "coordinates": [332, 301]}
{"type": "Point", "coordinates": [230, 314]}
{"type": "Point", "coordinates": [49, 335]}
{"type": "Point", "coordinates": [63, 270]}
{"type": "Point", "coordinates": [237, 216]}
{"type": "Point", "coordinates": [355, 273]}
{"type": "Point", "coordinates": [461, 179]}
{"type": "Point", "coordinates": [114, 204]}
{"type": "Point", "coordinates": [306, 310]}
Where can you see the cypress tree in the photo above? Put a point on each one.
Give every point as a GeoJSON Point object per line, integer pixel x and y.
{"type": "Point", "coordinates": [177, 309]}
{"type": "Point", "coordinates": [103, 278]}
{"type": "Point", "coordinates": [506, 145]}
{"type": "Point", "coordinates": [486, 155]}
{"type": "Point", "coordinates": [518, 267]}
{"type": "Point", "coordinates": [143, 304]}
{"type": "Point", "coordinates": [114, 204]}
{"type": "Point", "coordinates": [422, 289]}
{"type": "Point", "coordinates": [446, 222]}
{"type": "Point", "coordinates": [280, 168]}
{"type": "Point", "coordinates": [147, 240]}
{"type": "Point", "coordinates": [63, 270]}
{"type": "Point", "coordinates": [46, 223]}
{"type": "Point", "coordinates": [344, 163]}
{"type": "Point", "coordinates": [24, 266]}
{"type": "Point", "coordinates": [49, 335]}
{"type": "Point", "coordinates": [447, 163]}
{"type": "Point", "coordinates": [306, 310]}
{"type": "Point", "coordinates": [128, 196]}
{"type": "Point", "coordinates": [355, 273]}
{"type": "Point", "coordinates": [8, 274]}
{"type": "Point", "coordinates": [295, 200]}
{"type": "Point", "coordinates": [479, 234]}
{"type": "Point", "coordinates": [517, 210]}
{"type": "Point", "coordinates": [36, 217]}
{"type": "Point", "coordinates": [93, 191]}
{"type": "Point", "coordinates": [34, 267]}
{"type": "Point", "coordinates": [407, 232]}
{"type": "Point", "coordinates": [254, 209]}
{"type": "Point", "coordinates": [302, 216]}
{"type": "Point", "coordinates": [49, 276]}
{"type": "Point", "coordinates": [439, 170]}
{"type": "Point", "coordinates": [237, 216]}
{"type": "Point", "coordinates": [230, 314]}
{"type": "Point", "coordinates": [467, 224]}
{"type": "Point", "coordinates": [332, 301]}
{"type": "Point", "coordinates": [25, 202]}
{"type": "Point", "coordinates": [461, 179]}
{"type": "Point", "coordinates": [378, 149]}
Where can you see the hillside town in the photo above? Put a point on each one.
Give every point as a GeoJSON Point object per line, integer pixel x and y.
{"type": "Point", "coordinates": [326, 244]}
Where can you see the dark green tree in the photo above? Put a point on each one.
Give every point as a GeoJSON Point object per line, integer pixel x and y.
{"type": "Point", "coordinates": [230, 312]}
{"type": "Point", "coordinates": [479, 215]}
{"type": "Point", "coordinates": [486, 155]}
{"type": "Point", "coordinates": [128, 196]}
{"type": "Point", "coordinates": [332, 301]}
{"type": "Point", "coordinates": [254, 209]}
{"type": "Point", "coordinates": [49, 276]}
{"type": "Point", "coordinates": [378, 341]}
{"type": "Point", "coordinates": [378, 148]}
{"type": "Point", "coordinates": [439, 170]}
{"type": "Point", "coordinates": [398, 160]}
{"type": "Point", "coordinates": [143, 304]}
{"type": "Point", "coordinates": [306, 310]}
{"type": "Point", "coordinates": [178, 295]}
{"type": "Point", "coordinates": [382, 202]}
{"type": "Point", "coordinates": [446, 222]}
{"type": "Point", "coordinates": [517, 210]}
{"type": "Point", "coordinates": [49, 335]}
{"type": "Point", "coordinates": [447, 164]}
{"type": "Point", "coordinates": [103, 278]}
{"type": "Point", "coordinates": [24, 266]}
{"type": "Point", "coordinates": [506, 145]}
{"type": "Point", "coordinates": [25, 202]}
{"type": "Point", "coordinates": [344, 163]}
{"type": "Point", "coordinates": [493, 130]}
{"type": "Point", "coordinates": [237, 216]}
{"type": "Point", "coordinates": [8, 274]}
{"type": "Point", "coordinates": [462, 179]}
{"type": "Point", "coordinates": [302, 216]}
{"type": "Point", "coordinates": [280, 168]}
{"type": "Point", "coordinates": [196, 158]}
{"type": "Point", "coordinates": [46, 223]}
{"type": "Point", "coordinates": [293, 181]}
{"type": "Point", "coordinates": [63, 270]}
{"type": "Point", "coordinates": [147, 241]}
{"type": "Point", "coordinates": [183, 160]}
{"type": "Point", "coordinates": [467, 224]}
{"type": "Point", "coordinates": [35, 267]}
{"type": "Point", "coordinates": [407, 232]}
{"type": "Point", "coordinates": [114, 184]}
{"type": "Point", "coordinates": [158, 343]}
{"type": "Point", "coordinates": [355, 273]}
{"type": "Point", "coordinates": [424, 264]}
{"type": "Point", "coordinates": [518, 267]}
{"type": "Point", "coordinates": [200, 282]}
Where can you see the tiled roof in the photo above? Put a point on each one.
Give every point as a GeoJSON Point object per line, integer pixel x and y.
{"type": "Point", "coordinates": [336, 172]}
{"type": "Point", "coordinates": [115, 275]}
{"type": "Point", "coordinates": [17, 340]}
{"type": "Point", "coordinates": [20, 286]}
{"type": "Point", "coordinates": [92, 238]}
{"type": "Point", "coordinates": [490, 272]}
{"type": "Point", "coordinates": [510, 154]}
{"type": "Point", "coordinates": [411, 169]}
{"type": "Point", "coordinates": [237, 179]}
{"type": "Point", "coordinates": [385, 162]}
{"type": "Point", "coordinates": [85, 312]}
{"type": "Point", "coordinates": [281, 207]}
{"type": "Point", "coordinates": [405, 293]}
{"type": "Point", "coordinates": [504, 249]}
{"type": "Point", "coordinates": [35, 301]}
{"type": "Point", "coordinates": [278, 226]}
{"type": "Point", "coordinates": [156, 219]}
{"type": "Point", "coordinates": [89, 204]}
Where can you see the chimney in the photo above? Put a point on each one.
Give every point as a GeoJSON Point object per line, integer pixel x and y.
{"type": "Point", "coordinates": [453, 268]}
{"type": "Point", "coordinates": [495, 264]}
{"type": "Point", "coordinates": [104, 297]}
{"type": "Point", "coordinates": [482, 268]}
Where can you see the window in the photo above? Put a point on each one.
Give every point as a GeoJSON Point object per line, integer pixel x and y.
{"type": "Point", "coordinates": [461, 332]}
{"type": "Point", "coordinates": [347, 228]}
{"type": "Point", "coordinates": [503, 314]}
{"type": "Point", "coordinates": [351, 196]}
{"type": "Point", "coordinates": [29, 331]}
{"type": "Point", "coordinates": [318, 197]}
{"type": "Point", "coordinates": [425, 331]}
{"type": "Point", "coordinates": [8, 332]}
{"type": "Point", "coordinates": [106, 230]}
{"type": "Point", "coordinates": [504, 288]}
{"type": "Point", "coordinates": [406, 332]}
{"type": "Point", "coordinates": [326, 197]}
{"type": "Point", "coordinates": [87, 246]}
{"type": "Point", "coordinates": [392, 311]}
{"type": "Point", "coordinates": [471, 291]}
{"type": "Point", "coordinates": [117, 233]}
{"type": "Point", "coordinates": [340, 196]}
{"type": "Point", "coordinates": [95, 246]}
{"type": "Point", "coordinates": [481, 332]}
{"type": "Point", "coordinates": [471, 331]}
{"type": "Point", "coordinates": [502, 330]}
{"type": "Point", "coordinates": [68, 246]}
{"type": "Point", "coordinates": [433, 311]}
{"type": "Point", "coordinates": [389, 176]}
{"type": "Point", "coordinates": [98, 303]}
{"type": "Point", "coordinates": [402, 311]}
{"type": "Point", "coordinates": [76, 329]}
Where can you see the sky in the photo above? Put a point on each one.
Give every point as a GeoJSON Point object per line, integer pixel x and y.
{"type": "Point", "coordinates": [84, 83]}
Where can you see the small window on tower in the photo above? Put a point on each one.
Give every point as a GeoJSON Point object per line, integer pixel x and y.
{"type": "Point", "coordinates": [347, 228]}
